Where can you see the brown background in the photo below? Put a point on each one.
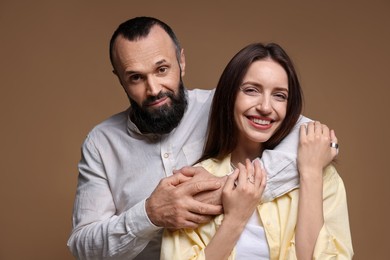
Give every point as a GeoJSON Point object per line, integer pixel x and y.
{"type": "Point", "coordinates": [56, 84]}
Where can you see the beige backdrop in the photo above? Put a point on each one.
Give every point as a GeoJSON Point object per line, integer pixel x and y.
{"type": "Point", "coordinates": [56, 84]}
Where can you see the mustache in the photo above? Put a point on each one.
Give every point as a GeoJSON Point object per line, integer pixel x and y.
{"type": "Point", "coordinates": [160, 95]}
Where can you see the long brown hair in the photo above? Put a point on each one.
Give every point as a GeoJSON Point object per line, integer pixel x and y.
{"type": "Point", "coordinates": [222, 130]}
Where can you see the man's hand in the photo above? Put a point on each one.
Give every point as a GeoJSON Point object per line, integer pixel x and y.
{"type": "Point", "coordinates": [172, 203]}
{"type": "Point", "coordinates": [199, 173]}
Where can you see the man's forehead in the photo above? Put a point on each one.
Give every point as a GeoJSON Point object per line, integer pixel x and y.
{"type": "Point", "coordinates": [156, 38]}
{"type": "Point", "coordinates": [153, 48]}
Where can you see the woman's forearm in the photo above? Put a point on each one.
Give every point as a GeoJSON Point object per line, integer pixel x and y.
{"type": "Point", "coordinates": [310, 213]}
{"type": "Point", "coordinates": [223, 242]}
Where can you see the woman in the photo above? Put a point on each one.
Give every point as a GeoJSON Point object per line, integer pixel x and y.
{"type": "Point", "coordinates": [256, 104]}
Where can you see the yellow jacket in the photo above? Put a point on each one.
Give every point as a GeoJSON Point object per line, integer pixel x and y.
{"type": "Point", "coordinates": [279, 218]}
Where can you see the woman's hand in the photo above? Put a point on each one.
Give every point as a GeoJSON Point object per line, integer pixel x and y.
{"type": "Point", "coordinates": [314, 151]}
{"type": "Point", "coordinates": [242, 192]}
{"type": "Point", "coordinates": [240, 196]}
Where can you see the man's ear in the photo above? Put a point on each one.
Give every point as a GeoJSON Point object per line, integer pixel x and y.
{"type": "Point", "coordinates": [117, 76]}
{"type": "Point", "coordinates": [182, 62]}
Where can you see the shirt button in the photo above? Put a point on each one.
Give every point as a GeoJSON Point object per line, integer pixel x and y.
{"type": "Point", "coordinates": [268, 223]}
{"type": "Point", "coordinates": [166, 155]}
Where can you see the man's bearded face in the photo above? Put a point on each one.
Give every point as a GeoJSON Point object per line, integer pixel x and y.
{"type": "Point", "coordinates": [161, 120]}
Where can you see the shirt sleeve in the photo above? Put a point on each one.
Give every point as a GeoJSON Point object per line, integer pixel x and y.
{"type": "Point", "coordinates": [280, 165]}
{"type": "Point", "coordinates": [99, 233]}
{"type": "Point", "coordinates": [334, 240]}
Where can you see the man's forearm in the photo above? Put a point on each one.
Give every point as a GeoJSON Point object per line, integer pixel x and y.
{"type": "Point", "coordinates": [280, 165]}
{"type": "Point", "coordinates": [124, 235]}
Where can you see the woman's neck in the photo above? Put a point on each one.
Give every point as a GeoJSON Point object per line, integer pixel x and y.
{"type": "Point", "coordinates": [241, 152]}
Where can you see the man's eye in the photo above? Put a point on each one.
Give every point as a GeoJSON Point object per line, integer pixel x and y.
{"type": "Point", "coordinates": [162, 70]}
{"type": "Point", "coordinates": [135, 78]}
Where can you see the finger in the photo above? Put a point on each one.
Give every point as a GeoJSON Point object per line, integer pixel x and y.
{"type": "Point", "coordinates": [230, 182]}
{"type": "Point", "coordinates": [325, 131]}
{"type": "Point", "coordinates": [258, 173]}
{"type": "Point", "coordinates": [303, 132]}
{"type": "Point", "coordinates": [177, 179]}
{"type": "Point", "coordinates": [261, 174]}
{"type": "Point", "coordinates": [310, 128]}
{"type": "Point", "coordinates": [260, 178]}
{"type": "Point", "coordinates": [242, 176]}
{"type": "Point", "coordinates": [186, 171]}
{"type": "Point", "coordinates": [317, 128]}
{"type": "Point", "coordinates": [204, 208]}
{"type": "Point", "coordinates": [263, 181]}
{"type": "Point", "coordinates": [193, 220]}
{"type": "Point", "coordinates": [193, 187]}
{"type": "Point", "coordinates": [250, 170]}
{"type": "Point", "coordinates": [200, 219]}
{"type": "Point", "coordinates": [263, 178]}
{"type": "Point", "coordinates": [333, 139]}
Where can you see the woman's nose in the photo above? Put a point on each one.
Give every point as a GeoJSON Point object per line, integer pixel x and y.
{"type": "Point", "coordinates": [264, 104]}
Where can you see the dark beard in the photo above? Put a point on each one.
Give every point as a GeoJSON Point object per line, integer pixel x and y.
{"type": "Point", "coordinates": [163, 119]}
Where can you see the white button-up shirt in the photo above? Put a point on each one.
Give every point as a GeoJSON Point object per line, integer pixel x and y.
{"type": "Point", "coordinates": [120, 167]}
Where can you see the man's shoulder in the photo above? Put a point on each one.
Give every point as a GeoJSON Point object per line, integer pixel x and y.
{"type": "Point", "coordinates": [110, 124]}
{"type": "Point", "coordinates": [201, 95]}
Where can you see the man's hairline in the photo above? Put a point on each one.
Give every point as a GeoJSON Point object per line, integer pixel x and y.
{"type": "Point", "coordinates": [141, 37]}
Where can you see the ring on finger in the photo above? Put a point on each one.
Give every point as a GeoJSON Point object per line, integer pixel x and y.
{"type": "Point", "coordinates": [335, 145]}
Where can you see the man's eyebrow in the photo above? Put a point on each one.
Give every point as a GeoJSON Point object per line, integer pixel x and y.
{"type": "Point", "coordinates": [130, 72]}
{"type": "Point", "coordinates": [160, 62]}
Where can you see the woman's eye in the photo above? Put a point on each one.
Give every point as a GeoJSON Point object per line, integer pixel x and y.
{"type": "Point", "coordinates": [251, 91]}
{"type": "Point", "coordinates": [281, 96]}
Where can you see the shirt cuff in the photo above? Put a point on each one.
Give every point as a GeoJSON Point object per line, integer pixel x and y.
{"type": "Point", "coordinates": [325, 245]}
{"type": "Point", "coordinates": [138, 222]}
{"type": "Point", "coordinates": [282, 175]}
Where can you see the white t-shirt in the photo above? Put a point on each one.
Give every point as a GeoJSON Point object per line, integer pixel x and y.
{"type": "Point", "coordinates": [252, 243]}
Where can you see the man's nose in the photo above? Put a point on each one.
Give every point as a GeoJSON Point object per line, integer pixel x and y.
{"type": "Point", "coordinates": [152, 86]}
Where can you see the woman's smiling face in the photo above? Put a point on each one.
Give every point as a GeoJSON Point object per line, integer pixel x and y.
{"type": "Point", "coordinates": [261, 102]}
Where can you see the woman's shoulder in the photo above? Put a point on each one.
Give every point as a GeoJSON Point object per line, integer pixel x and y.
{"type": "Point", "coordinates": [216, 167]}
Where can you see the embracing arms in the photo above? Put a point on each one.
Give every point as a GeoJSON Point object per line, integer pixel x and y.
{"type": "Point", "coordinates": [106, 224]}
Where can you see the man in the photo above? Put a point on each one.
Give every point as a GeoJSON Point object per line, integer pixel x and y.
{"type": "Point", "coordinates": [126, 191]}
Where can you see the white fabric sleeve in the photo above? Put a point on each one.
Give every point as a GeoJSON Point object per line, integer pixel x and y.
{"type": "Point", "coordinates": [98, 233]}
{"type": "Point", "coordinates": [280, 165]}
